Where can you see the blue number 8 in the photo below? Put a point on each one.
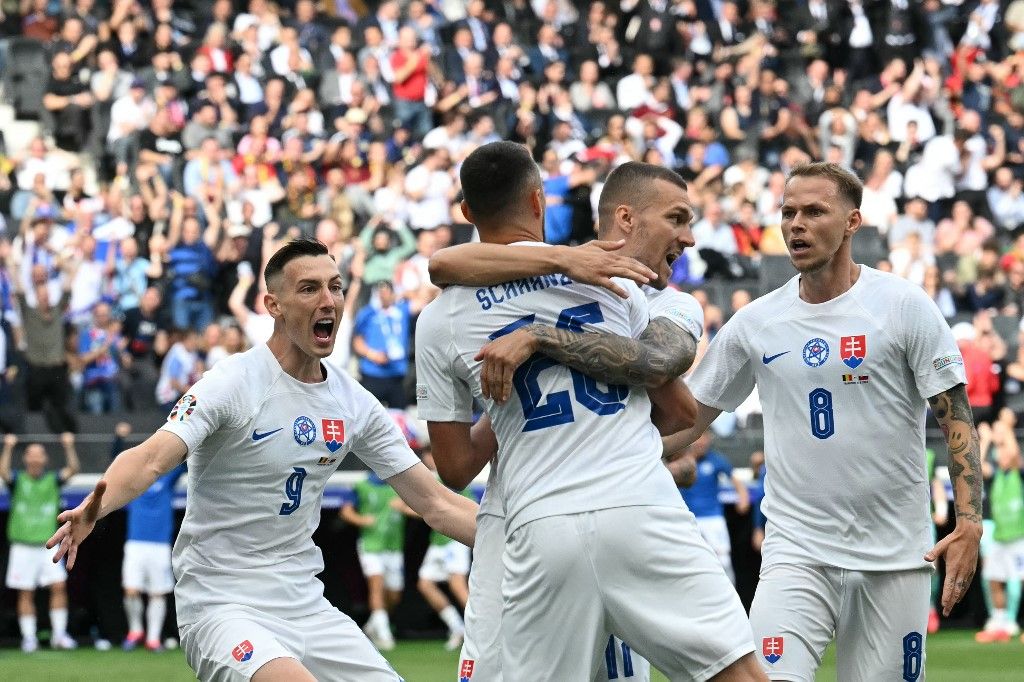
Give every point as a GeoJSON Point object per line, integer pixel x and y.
{"type": "Point", "coordinates": [823, 423]}
{"type": "Point", "coordinates": [293, 491]}
{"type": "Point", "coordinates": [913, 650]}
{"type": "Point", "coordinates": [558, 407]}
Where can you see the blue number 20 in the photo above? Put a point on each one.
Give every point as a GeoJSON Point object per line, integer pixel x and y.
{"type": "Point", "coordinates": [293, 491]}
{"type": "Point", "coordinates": [557, 409]}
{"type": "Point", "coordinates": [823, 423]}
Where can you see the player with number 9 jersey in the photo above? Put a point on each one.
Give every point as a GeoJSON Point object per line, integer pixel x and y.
{"type": "Point", "coordinates": [255, 433]}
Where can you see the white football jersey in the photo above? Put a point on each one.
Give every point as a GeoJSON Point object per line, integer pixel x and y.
{"type": "Point", "coordinates": [567, 443]}
{"type": "Point", "coordinates": [677, 307]}
{"type": "Point", "coordinates": [261, 446]}
{"type": "Point", "coordinates": [843, 386]}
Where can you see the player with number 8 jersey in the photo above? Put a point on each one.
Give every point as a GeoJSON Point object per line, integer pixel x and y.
{"type": "Point", "coordinates": [844, 358]}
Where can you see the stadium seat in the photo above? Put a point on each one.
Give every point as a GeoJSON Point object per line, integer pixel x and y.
{"type": "Point", "coordinates": [775, 271]}
{"type": "Point", "coordinates": [27, 73]}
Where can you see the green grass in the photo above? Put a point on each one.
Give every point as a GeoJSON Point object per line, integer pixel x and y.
{"type": "Point", "coordinates": [952, 657]}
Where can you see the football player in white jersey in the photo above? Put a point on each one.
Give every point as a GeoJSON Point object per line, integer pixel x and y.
{"type": "Point", "coordinates": [578, 474]}
{"type": "Point", "coordinates": [676, 327]}
{"type": "Point", "coordinates": [844, 358]}
{"type": "Point", "coordinates": [262, 432]}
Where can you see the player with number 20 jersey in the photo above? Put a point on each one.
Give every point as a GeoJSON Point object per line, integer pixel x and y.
{"type": "Point", "coordinates": [579, 473]}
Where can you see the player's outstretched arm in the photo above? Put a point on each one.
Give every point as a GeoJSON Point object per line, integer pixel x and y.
{"type": "Point", "coordinates": [959, 548]}
{"type": "Point", "coordinates": [485, 264]}
{"type": "Point", "coordinates": [128, 476]}
{"type": "Point", "coordinates": [443, 510]}
{"type": "Point", "coordinates": [663, 352]}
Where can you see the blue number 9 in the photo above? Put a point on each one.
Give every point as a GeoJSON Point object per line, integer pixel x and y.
{"type": "Point", "coordinates": [293, 491]}
{"type": "Point", "coordinates": [823, 423]}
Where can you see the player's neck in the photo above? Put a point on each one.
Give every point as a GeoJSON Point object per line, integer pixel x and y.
{"type": "Point", "coordinates": [511, 231]}
{"type": "Point", "coordinates": [295, 363]}
{"type": "Point", "coordinates": [829, 282]}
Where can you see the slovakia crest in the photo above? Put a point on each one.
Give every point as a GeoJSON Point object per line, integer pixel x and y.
{"type": "Point", "coordinates": [853, 350]}
{"type": "Point", "coordinates": [334, 433]}
{"type": "Point", "coordinates": [771, 648]}
{"type": "Point", "coordinates": [466, 669]}
{"type": "Point", "coordinates": [242, 652]}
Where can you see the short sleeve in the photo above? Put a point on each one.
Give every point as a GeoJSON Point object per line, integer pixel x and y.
{"type": "Point", "coordinates": [723, 465]}
{"type": "Point", "coordinates": [443, 392]}
{"type": "Point", "coordinates": [725, 375]}
{"type": "Point", "coordinates": [381, 444]}
{"type": "Point", "coordinates": [637, 309]}
{"type": "Point", "coordinates": [931, 350]}
{"type": "Point", "coordinates": [681, 309]}
{"type": "Point", "coordinates": [209, 405]}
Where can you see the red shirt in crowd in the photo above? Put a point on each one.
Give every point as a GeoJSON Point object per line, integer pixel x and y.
{"type": "Point", "coordinates": [982, 382]}
{"type": "Point", "coordinates": [414, 87]}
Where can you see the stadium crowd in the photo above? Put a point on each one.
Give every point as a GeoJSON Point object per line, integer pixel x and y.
{"type": "Point", "coordinates": [183, 142]}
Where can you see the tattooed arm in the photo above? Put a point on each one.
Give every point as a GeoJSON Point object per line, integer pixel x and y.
{"type": "Point", "coordinates": [663, 352]}
{"type": "Point", "coordinates": [960, 548]}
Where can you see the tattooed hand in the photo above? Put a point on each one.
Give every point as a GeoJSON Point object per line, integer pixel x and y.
{"type": "Point", "coordinates": [959, 549]}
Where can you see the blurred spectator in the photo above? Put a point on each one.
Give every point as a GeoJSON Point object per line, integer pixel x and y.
{"type": "Point", "coordinates": [47, 385]}
{"type": "Point", "coordinates": [99, 348]}
{"type": "Point", "coordinates": [938, 291]}
{"type": "Point", "coordinates": [1006, 199]}
{"type": "Point", "coordinates": [67, 100]}
{"type": "Point", "coordinates": [716, 243]}
{"type": "Point", "coordinates": [190, 270]}
{"type": "Point", "coordinates": [982, 377]}
{"type": "Point", "coordinates": [181, 368]}
{"type": "Point", "coordinates": [914, 220]}
{"type": "Point", "coordinates": [380, 338]}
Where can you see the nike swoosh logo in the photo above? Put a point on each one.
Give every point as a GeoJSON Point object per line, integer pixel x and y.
{"type": "Point", "coordinates": [768, 358]}
{"type": "Point", "coordinates": [261, 436]}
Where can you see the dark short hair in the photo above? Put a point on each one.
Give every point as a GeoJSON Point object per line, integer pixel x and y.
{"type": "Point", "coordinates": [496, 176]}
{"type": "Point", "coordinates": [297, 248]}
{"type": "Point", "coordinates": [631, 184]}
{"type": "Point", "coordinates": [847, 184]}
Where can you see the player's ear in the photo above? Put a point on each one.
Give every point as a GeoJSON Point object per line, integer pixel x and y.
{"type": "Point", "coordinates": [853, 222]}
{"type": "Point", "coordinates": [624, 218]}
{"type": "Point", "coordinates": [272, 305]}
{"type": "Point", "coordinates": [537, 202]}
{"type": "Point", "coordinates": [466, 212]}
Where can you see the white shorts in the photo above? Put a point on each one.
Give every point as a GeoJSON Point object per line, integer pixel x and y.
{"type": "Point", "coordinates": [147, 567]}
{"type": "Point", "coordinates": [441, 563]}
{"type": "Point", "coordinates": [29, 567]}
{"type": "Point", "coordinates": [879, 620]}
{"type": "Point", "coordinates": [716, 533]}
{"type": "Point", "coordinates": [642, 573]}
{"type": "Point", "coordinates": [1005, 562]}
{"type": "Point", "coordinates": [388, 564]}
{"type": "Point", "coordinates": [480, 658]}
{"type": "Point", "coordinates": [231, 643]}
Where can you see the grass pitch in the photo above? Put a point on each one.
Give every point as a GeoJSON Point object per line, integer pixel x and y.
{"type": "Point", "coordinates": [953, 656]}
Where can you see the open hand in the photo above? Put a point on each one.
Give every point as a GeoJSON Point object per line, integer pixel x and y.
{"type": "Point", "coordinates": [76, 524]}
{"type": "Point", "coordinates": [596, 263]}
{"type": "Point", "coordinates": [960, 552]}
{"type": "Point", "coordinates": [501, 358]}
